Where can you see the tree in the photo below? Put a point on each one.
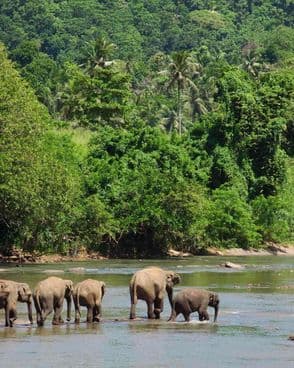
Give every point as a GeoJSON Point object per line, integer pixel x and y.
{"type": "Point", "coordinates": [252, 61]}
{"type": "Point", "coordinates": [97, 55]}
{"type": "Point", "coordinates": [146, 182]}
{"type": "Point", "coordinates": [180, 70]}
{"type": "Point", "coordinates": [101, 97]}
{"type": "Point", "coordinates": [39, 177]}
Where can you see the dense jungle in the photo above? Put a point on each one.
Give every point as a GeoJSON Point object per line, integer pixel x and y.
{"type": "Point", "coordinates": [129, 127]}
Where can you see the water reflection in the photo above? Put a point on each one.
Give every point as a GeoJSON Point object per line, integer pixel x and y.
{"type": "Point", "coordinates": [171, 327]}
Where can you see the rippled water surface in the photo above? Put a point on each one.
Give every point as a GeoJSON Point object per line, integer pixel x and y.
{"type": "Point", "coordinates": [256, 317]}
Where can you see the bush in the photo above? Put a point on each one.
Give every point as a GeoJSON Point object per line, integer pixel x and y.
{"type": "Point", "coordinates": [231, 222]}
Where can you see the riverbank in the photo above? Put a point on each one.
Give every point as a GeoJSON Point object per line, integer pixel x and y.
{"type": "Point", "coordinates": [20, 257]}
{"type": "Point", "coordinates": [271, 249]}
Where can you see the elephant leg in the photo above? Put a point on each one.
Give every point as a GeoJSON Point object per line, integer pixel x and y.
{"type": "Point", "coordinates": [7, 319]}
{"type": "Point", "coordinates": [77, 316]}
{"type": "Point", "coordinates": [40, 321]}
{"type": "Point", "coordinates": [97, 313]}
{"type": "Point", "coordinates": [77, 310]}
{"type": "Point", "coordinates": [173, 316]}
{"type": "Point", "coordinates": [90, 314]}
{"type": "Point", "coordinates": [133, 311]}
{"type": "Point", "coordinates": [57, 320]}
{"type": "Point", "coordinates": [12, 316]}
{"type": "Point", "coordinates": [158, 307]}
{"type": "Point", "coordinates": [150, 312]}
{"type": "Point", "coordinates": [187, 316]}
{"type": "Point", "coordinates": [203, 315]}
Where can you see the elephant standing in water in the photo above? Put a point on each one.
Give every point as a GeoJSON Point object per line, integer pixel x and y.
{"type": "Point", "coordinates": [5, 304]}
{"type": "Point", "coordinates": [191, 300]}
{"type": "Point", "coordinates": [49, 295]}
{"type": "Point", "coordinates": [150, 284]}
{"type": "Point", "coordinates": [11, 294]}
{"type": "Point", "coordinates": [89, 293]}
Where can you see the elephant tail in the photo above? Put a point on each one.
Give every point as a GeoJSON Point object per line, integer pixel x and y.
{"type": "Point", "coordinates": [133, 292]}
{"type": "Point", "coordinates": [38, 307]}
{"type": "Point", "coordinates": [134, 298]}
{"type": "Point", "coordinates": [78, 301]}
{"type": "Point", "coordinates": [102, 290]}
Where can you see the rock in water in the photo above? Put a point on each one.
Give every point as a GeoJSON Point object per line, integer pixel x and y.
{"type": "Point", "coordinates": [233, 265]}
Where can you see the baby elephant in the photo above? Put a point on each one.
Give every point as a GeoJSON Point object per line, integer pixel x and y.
{"type": "Point", "coordinates": [89, 293]}
{"type": "Point", "coordinates": [191, 300]}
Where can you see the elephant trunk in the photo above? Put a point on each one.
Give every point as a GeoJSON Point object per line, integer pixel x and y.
{"type": "Point", "coordinates": [30, 310]}
{"type": "Point", "coordinates": [215, 313]}
{"type": "Point", "coordinates": [68, 299]}
{"type": "Point", "coordinates": [170, 296]}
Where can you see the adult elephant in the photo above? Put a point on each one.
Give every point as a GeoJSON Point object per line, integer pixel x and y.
{"type": "Point", "coordinates": [191, 300]}
{"type": "Point", "coordinates": [150, 285]}
{"type": "Point", "coordinates": [89, 293]}
{"type": "Point", "coordinates": [49, 295]}
{"type": "Point", "coordinates": [17, 292]}
{"type": "Point", "coordinates": [4, 294]}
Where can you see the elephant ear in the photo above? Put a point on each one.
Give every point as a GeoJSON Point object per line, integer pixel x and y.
{"type": "Point", "coordinates": [25, 288]}
{"type": "Point", "coordinates": [4, 286]}
{"type": "Point", "coordinates": [172, 278]}
{"type": "Point", "coordinates": [176, 278]}
{"type": "Point", "coordinates": [169, 277]}
{"type": "Point", "coordinates": [213, 299]}
{"type": "Point", "coordinates": [21, 290]}
{"type": "Point", "coordinates": [69, 285]}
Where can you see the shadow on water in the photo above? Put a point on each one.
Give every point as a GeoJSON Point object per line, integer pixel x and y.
{"type": "Point", "coordinates": [48, 330]}
{"type": "Point", "coordinates": [173, 327]}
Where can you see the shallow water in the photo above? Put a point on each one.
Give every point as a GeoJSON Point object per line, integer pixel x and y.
{"type": "Point", "coordinates": [256, 317]}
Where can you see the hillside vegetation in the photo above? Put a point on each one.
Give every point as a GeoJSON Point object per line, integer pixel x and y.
{"type": "Point", "coordinates": [128, 127]}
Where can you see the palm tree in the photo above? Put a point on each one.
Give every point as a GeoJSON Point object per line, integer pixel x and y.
{"type": "Point", "coordinates": [252, 62]}
{"type": "Point", "coordinates": [168, 120]}
{"type": "Point", "coordinates": [98, 53]}
{"type": "Point", "coordinates": [181, 70]}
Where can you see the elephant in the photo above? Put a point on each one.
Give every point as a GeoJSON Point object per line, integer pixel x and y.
{"type": "Point", "coordinates": [49, 295]}
{"type": "Point", "coordinates": [15, 292]}
{"type": "Point", "coordinates": [150, 285]}
{"type": "Point", "coordinates": [89, 293]}
{"type": "Point", "coordinates": [5, 303]}
{"type": "Point", "coordinates": [191, 300]}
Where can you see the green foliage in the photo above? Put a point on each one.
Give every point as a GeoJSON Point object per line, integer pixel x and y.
{"type": "Point", "coordinates": [231, 221]}
{"type": "Point", "coordinates": [94, 97]}
{"type": "Point", "coordinates": [275, 214]}
{"type": "Point", "coordinates": [39, 181]}
{"type": "Point", "coordinates": [209, 19]}
{"type": "Point", "coordinates": [170, 124]}
{"type": "Point", "coordinates": [144, 179]}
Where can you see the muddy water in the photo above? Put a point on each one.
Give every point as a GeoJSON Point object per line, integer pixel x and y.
{"type": "Point", "coordinates": [256, 317]}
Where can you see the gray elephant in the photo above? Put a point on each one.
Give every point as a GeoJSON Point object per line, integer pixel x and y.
{"type": "Point", "coordinates": [49, 295]}
{"type": "Point", "coordinates": [191, 300]}
{"type": "Point", "coordinates": [89, 293]}
{"type": "Point", "coordinates": [15, 292]}
{"type": "Point", "coordinates": [150, 285]}
{"type": "Point", "coordinates": [4, 303]}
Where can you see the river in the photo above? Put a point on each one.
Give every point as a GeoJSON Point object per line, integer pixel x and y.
{"type": "Point", "coordinates": [255, 319]}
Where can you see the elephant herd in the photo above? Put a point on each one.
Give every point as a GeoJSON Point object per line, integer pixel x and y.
{"type": "Point", "coordinates": [149, 284]}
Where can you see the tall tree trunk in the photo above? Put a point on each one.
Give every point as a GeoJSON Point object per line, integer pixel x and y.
{"type": "Point", "coordinates": [179, 109]}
